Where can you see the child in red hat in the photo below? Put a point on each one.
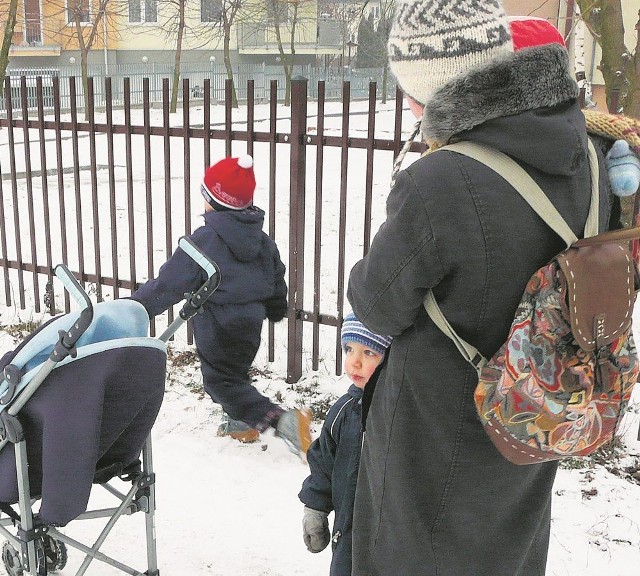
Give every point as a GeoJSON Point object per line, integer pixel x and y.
{"type": "Point", "coordinates": [227, 333]}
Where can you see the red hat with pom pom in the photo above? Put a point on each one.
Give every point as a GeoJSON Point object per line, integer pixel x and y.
{"type": "Point", "coordinates": [532, 31]}
{"type": "Point", "coordinates": [229, 184]}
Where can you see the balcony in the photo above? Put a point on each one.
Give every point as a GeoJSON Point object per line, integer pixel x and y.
{"type": "Point", "coordinates": [311, 37]}
{"type": "Point", "coordinates": [35, 38]}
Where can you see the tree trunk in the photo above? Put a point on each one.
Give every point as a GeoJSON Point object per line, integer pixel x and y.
{"type": "Point", "coordinates": [6, 40]}
{"type": "Point", "coordinates": [84, 58]}
{"type": "Point", "coordinates": [227, 65]}
{"type": "Point", "coordinates": [176, 65]}
{"type": "Point", "coordinates": [385, 80]}
{"type": "Point", "coordinates": [632, 101]}
{"type": "Point", "coordinates": [285, 66]}
{"type": "Point", "coordinates": [620, 69]}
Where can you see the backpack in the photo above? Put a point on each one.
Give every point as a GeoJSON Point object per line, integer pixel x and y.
{"type": "Point", "coordinates": [559, 384]}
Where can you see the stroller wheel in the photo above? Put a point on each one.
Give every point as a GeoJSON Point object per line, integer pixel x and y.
{"type": "Point", "coordinates": [55, 553]}
{"type": "Point", "coordinates": [11, 560]}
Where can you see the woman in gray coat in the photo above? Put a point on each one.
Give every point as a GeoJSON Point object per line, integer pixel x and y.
{"type": "Point", "coordinates": [434, 496]}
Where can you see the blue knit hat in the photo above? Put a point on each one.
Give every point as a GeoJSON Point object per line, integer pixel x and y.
{"type": "Point", "coordinates": [355, 331]}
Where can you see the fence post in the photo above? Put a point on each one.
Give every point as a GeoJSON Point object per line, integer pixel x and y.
{"type": "Point", "coordinates": [297, 140]}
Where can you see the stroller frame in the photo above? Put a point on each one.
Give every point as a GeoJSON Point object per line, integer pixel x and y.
{"type": "Point", "coordinates": [38, 548]}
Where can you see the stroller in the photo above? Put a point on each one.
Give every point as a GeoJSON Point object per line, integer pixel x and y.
{"type": "Point", "coordinates": [78, 399]}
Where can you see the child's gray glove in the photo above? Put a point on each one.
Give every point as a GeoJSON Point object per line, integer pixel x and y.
{"type": "Point", "coordinates": [315, 530]}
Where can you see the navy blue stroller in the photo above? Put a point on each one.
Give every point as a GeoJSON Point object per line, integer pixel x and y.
{"type": "Point", "coordinates": [78, 400]}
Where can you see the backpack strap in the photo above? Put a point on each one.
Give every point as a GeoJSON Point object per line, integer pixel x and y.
{"type": "Point", "coordinates": [469, 352]}
{"type": "Point", "coordinates": [526, 186]}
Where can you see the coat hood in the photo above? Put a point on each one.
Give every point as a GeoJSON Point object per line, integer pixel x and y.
{"type": "Point", "coordinates": [518, 105]}
{"type": "Point", "coordinates": [246, 246]}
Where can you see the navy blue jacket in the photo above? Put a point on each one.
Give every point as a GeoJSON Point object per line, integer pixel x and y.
{"type": "Point", "coordinates": [333, 459]}
{"type": "Point", "coordinates": [252, 274]}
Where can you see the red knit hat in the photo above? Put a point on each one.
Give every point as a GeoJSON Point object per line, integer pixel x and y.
{"type": "Point", "coordinates": [230, 183]}
{"type": "Point", "coordinates": [532, 31]}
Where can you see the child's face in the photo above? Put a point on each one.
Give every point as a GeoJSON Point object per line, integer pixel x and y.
{"type": "Point", "coordinates": [360, 363]}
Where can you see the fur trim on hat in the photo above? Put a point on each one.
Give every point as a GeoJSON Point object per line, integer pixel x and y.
{"type": "Point", "coordinates": [531, 78]}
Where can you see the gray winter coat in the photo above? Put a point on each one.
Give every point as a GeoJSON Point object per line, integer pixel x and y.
{"type": "Point", "coordinates": [434, 497]}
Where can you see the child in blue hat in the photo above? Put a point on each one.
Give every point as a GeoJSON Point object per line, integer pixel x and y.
{"type": "Point", "coordinates": [335, 456]}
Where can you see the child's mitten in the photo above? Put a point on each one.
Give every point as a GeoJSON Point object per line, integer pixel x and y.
{"type": "Point", "coordinates": [315, 529]}
{"type": "Point", "coordinates": [623, 167]}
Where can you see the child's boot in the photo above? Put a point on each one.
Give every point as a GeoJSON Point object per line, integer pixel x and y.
{"type": "Point", "coordinates": [294, 428]}
{"type": "Point", "coordinates": [237, 430]}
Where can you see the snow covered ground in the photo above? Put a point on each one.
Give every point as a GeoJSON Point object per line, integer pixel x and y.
{"type": "Point", "coordinates": [229, 508]}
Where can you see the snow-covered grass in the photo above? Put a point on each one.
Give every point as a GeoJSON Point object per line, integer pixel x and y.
{"type": "Point", "coordinates": [230, 508]}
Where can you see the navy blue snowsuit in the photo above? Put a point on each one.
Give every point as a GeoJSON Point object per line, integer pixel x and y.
{"type": "Point", "coordinates": [227, 334]}
{"type": "Point", "coordinates": [334, 458]}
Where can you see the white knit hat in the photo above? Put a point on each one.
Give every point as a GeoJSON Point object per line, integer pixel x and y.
{"type": "Point", "coordinates": [432, 41]}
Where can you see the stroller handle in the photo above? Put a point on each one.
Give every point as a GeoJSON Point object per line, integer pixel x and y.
{"type": "Point", "coordinates": [72, 286]}
{"type": "Point", "coordinates": [69, 338]}
{"type": "Point", "coordinates": [193, 302]}
{"type": "Point", "coordinates": [208, 265]}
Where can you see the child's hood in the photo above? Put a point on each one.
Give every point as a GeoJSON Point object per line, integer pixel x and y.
{"type": "Point", "coordinates": [240, 230]}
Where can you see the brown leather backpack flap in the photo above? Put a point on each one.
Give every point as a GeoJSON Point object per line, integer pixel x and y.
{"type": "Point", "coordinates": [600, 292]}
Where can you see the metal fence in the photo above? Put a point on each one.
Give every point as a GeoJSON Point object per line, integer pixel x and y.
{"type": "Point", "coordinates": [109, 194]}
{"type": "Point", "coordinates": [261, 74]}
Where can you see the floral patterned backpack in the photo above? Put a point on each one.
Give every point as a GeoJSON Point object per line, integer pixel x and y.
{"type": "Point", "coordinates": [559, 384]}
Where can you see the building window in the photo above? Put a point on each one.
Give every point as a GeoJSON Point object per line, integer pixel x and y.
{"type": "Point", "coordinates": [143, 11]}
{"type": "Point", "coordinates": [151, 10]}
{"type": "Point", "coordinates": [211, 10]}
{"type": "Point", "coordinates": [78, 10]}
{"type": "Point", "coordinates": [278, 11]}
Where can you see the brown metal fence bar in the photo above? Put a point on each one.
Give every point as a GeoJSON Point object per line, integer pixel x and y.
{"type": "Point", "coordinates": [296, 227]}
{"type": "Point", "coordinates": [250, 116]}
{"type": "Point", "coordinates": [3, 246]}
{"type": "Point", "coordinates": [614, 101]}
{"type": "Point", "coordinates": [146, 106]}
{"type": "Point", "coordinates": [108, 94]}
{"type": "Point", "coordinates": [90, 107]}
{"type": "Point", "coordinates": [26, 142]}
{"type": "Point", "coordinates": [342, 219]}
{"type": "Point", "coordinates": [60, 180]}
{"type": "Point", "coordinates": [273, 138]}
{"type": "Point", "coordinates": [166, 140]}
{"type": "Point", "coordinates": [228, 102]}
{"type": "Point", "coordinates": [186, 144]}
{"type": "Point", "coordinates": [76, 176]}
{"type": "Point", "coordinates": [186, 135]}
{"type": "Point", "coordinates": [368, 187]}
{"type": "Point", "coordinates": [317, 252]}
{"type": "Point", "coordinates": [207, 123]}
{"type": "Point", "coordinates": [45, 194]}
{"type": "Point", "coordinates": [129, 170]}
{"type": "Point", "coordinates": [14, 189]}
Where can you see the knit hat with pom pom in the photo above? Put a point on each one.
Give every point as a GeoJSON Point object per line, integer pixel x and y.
{"type": "Point", "coordinates": [229, 184]}
{"type": "Point", "coordinates": [529, 31]}
{"type": "Point", "coordinates": [433, 41]}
